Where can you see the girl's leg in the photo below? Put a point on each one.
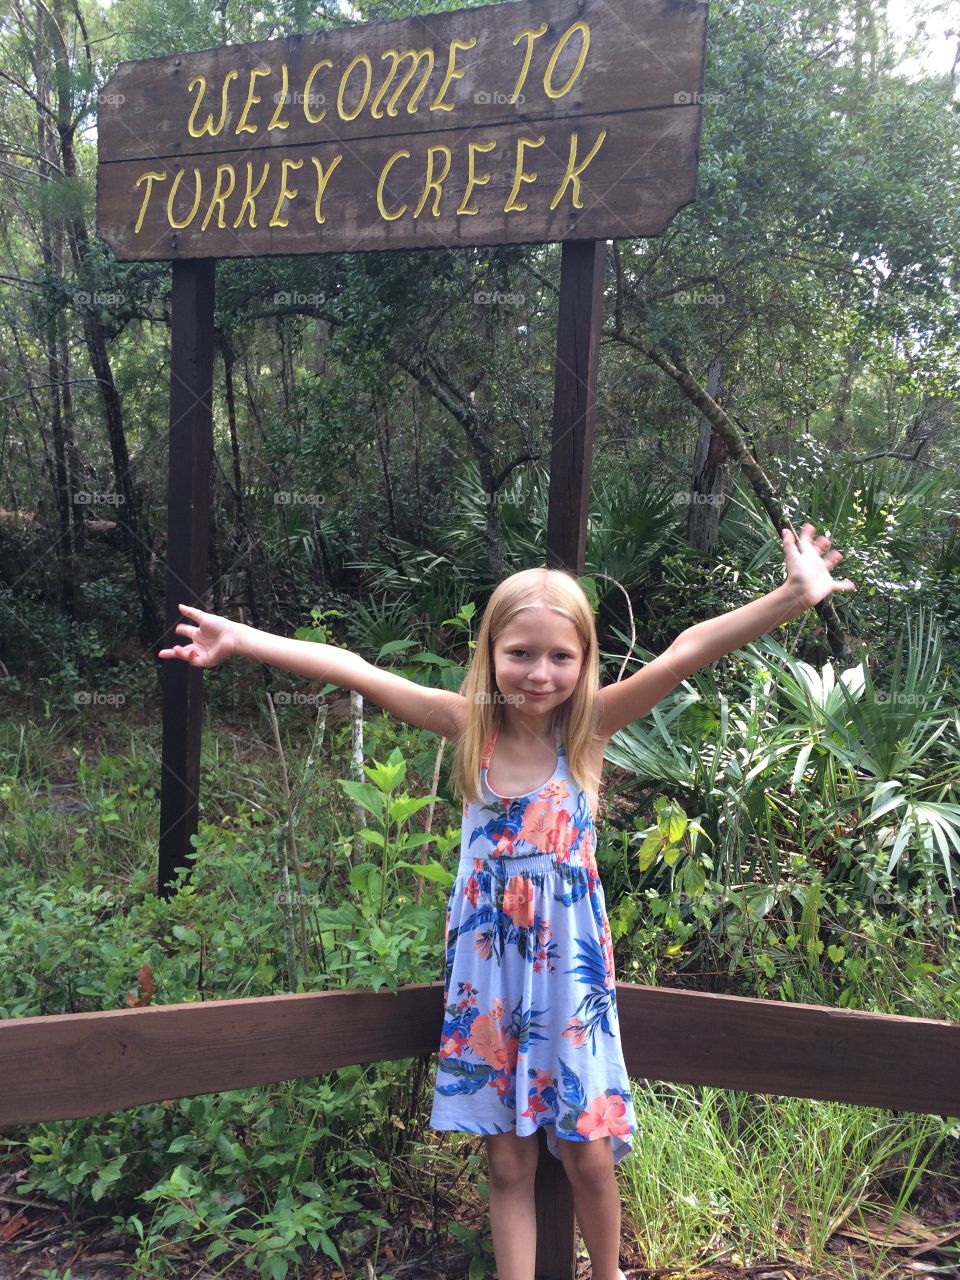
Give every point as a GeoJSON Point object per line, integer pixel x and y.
{"type": "Point", "coordinates": [512, 1164]}
{"type": "Point", "coordinates": [596, 1202]}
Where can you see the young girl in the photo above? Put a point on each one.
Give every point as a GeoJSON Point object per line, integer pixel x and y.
{"type": "Point", "coordinates": [530, 1034]}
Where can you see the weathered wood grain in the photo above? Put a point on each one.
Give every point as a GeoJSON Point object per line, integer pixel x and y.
{"type": "Point", "coordinates": [641, 54]}
{"type": "Point", "coordinates": [82, 1064]}
{"type": "Point", "coordinates": [642, 172]}
{"type": "Point", "coordinates": [522, 122]}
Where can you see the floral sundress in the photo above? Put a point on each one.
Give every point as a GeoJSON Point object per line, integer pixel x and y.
{"type": "Point", "coordinates": [531, 1036]}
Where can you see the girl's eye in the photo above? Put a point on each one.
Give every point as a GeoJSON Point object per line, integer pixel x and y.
{"type": "Point", "coordinates": [512, 652]}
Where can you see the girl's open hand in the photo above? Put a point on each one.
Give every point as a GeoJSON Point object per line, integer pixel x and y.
{"type": "Point", "coordinates": [212, 640]}
{"type": "Point", "coordinates": [809, 561]}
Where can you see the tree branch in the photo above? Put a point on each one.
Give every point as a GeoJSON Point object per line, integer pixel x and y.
{"type": "Point", "coordinates": [728, 432]}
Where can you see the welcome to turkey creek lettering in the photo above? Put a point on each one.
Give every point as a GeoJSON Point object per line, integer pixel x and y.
{"type": "Point", "coordinates": [526, 121]}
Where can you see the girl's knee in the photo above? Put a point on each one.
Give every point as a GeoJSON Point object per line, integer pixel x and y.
{"type": "Point", "coordinates": [590, 1162]}
{"type": "Point", "coordinates": [511, 1159]}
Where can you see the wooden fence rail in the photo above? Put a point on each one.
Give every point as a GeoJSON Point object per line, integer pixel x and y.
{"type": "Point", "coordinates": [70, 1065]}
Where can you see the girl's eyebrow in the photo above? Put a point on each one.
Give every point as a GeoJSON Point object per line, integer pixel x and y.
{"type": "Point", "coordinates": [558, 648]}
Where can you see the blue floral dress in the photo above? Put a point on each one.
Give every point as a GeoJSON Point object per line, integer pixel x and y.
{"type": "Point", "coordinates": [530, 1033]}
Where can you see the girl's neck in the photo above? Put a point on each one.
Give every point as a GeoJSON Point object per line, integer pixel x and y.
{"type": "Point", "coordinates": [516, 727]}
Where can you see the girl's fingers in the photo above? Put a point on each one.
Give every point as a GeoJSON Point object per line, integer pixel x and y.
{"type": "Point", "coordinates": [186, 652]}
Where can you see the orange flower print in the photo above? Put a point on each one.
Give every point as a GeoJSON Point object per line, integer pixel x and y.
{"type": "Point", "coordinates": [518, 902]}
{"type": "Point", "coordinates": [536, 1106]}
{"type": "Point", "coordinates": [472, 890]}
{"type": "Point", "coordinates": [489, 1042]}
{"type": "Point", "coordinates": [587, 855]}
{"type": "Point", "coordinates": [604, 1118]}
{"type": "Point", "coordinates": [575, 1032]}
{"type": "Point", "coordinates": [453, 1046]}
{"type": "Point", "coordinates": [544, 1080]}
{"type": "Point", "coordinates": [502, 843]}
{"type": "Point", "coordinates": [539, 820]}
{"type": "Point", "coordinates": [512, 1046]}
{"type": "Point", "coordinates": [555, 791]}
{"type": "Point", "coordinates": [564, 836]}
{"type": "Point", "coordinates": [606, 946]}
{"type": "Point", "coordinates": [484, 945]}
{"type": "Point", "coordinates": [502, 1084]}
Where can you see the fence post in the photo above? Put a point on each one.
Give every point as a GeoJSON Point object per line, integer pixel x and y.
{"type": "Point", "coordinates": [582, 269]}
{"type": "Point", "coordinates": [556, 1226]}
{"type": "Point", "coordinates": [188, 535]}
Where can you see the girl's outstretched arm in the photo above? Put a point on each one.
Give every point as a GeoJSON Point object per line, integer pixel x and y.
{"type": "Point", "coordinates": [214, 639]}
{"type": "Point", "coordinates": [809, 562]}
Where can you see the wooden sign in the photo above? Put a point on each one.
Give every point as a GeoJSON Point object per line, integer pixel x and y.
{"type": "Point", "coordinates": [534, 120]}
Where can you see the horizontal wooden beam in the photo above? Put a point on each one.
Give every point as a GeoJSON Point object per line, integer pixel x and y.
{"type": "Point", "coordinates": [801, 1050]}
{"type": "Point", "coordinates": [69, 1065]}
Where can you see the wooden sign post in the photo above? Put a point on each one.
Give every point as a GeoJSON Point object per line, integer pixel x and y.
{"type": "Point", "coordinates": [530, 121]}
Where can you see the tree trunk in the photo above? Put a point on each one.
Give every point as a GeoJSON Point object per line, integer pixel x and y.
{"type": "Point", "coordinates": [837, 638]}
{"type": "Point", "coordinates": [381, 419]}
{"type": "Point", "coordinates": [130, 521]}
{"type": "Point", "coordinates": [62, 483]}
{"type": "Point", "coordinates": [844, 392]}
{"type": "Point", "coordinates": [709, 482]}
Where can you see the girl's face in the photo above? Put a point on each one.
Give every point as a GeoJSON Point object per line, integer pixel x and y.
{"type": "Point", "coordinates": [537, 661]}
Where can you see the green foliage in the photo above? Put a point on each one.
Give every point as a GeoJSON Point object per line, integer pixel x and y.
{"type": "Point", "coordinates": [392, 949]}
{"type": "Point", "coordinates": [789, 826]}
{"type": "Point", "coordinates": [267, 1174]}
{"type": "Point", "coordinates": [821, 797]}
{"type": "Point", "coordinates": [746, 1180]}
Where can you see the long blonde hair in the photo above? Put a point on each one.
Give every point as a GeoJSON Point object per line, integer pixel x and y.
{"type": "Point", "coordinates": [578, 717]}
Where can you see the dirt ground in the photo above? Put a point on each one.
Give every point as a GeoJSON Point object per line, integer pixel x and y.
{"type": "Point", "coordinates": [37, 1240]}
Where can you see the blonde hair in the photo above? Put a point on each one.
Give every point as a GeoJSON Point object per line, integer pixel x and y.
{"type": "Point", "coordinates": [578, 717]}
